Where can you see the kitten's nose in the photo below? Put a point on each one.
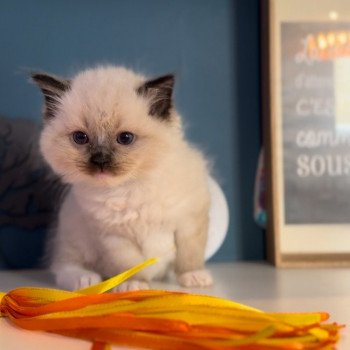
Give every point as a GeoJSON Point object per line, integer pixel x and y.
{"type": "Point", "coordinates": [101, 159]}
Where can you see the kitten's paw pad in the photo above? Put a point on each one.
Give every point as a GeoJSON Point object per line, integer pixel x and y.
{"type": "Point", "coordinates": [196, 278]}
{"type": "Point", "coordinates": [132, 285]}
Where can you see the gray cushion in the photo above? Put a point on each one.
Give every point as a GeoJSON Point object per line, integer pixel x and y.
{"type": "Point", "coordinates": [29, 195]}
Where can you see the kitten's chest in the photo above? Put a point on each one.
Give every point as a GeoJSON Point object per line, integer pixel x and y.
{"type": "Point", "coordinates": [127, 212]}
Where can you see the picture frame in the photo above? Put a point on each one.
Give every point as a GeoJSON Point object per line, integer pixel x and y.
{"type": "Point", "coordinates": [306, 118]}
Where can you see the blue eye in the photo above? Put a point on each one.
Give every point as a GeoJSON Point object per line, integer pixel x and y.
{"type": "Point", "coordinates": [125, 138]}
{"type": "Point", "coordinates": [80, 137]}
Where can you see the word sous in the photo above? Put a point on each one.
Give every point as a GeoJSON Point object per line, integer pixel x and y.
{"type": "Point", "coordinates": [319, 165]}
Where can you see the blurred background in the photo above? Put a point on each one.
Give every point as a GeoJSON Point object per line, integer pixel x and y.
{"type": "Point", "coordinates": [212, 46]}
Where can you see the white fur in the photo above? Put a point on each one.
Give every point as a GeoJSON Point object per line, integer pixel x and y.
{"type": "Point", "coordinates": [157, 208]}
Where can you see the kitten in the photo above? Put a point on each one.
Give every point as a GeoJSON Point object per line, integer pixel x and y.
{"type": "Point", "coordinates": [138, 188]}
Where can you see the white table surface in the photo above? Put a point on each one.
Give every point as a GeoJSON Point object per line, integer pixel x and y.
{"type": "Point", "coordinates": [257, 284]}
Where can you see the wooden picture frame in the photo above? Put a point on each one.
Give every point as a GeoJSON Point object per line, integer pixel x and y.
{"type": "Point", "coordinates": [306, 112]}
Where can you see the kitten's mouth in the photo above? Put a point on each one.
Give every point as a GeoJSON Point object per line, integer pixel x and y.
{"type": "Point", "coordinates": [100, 171]}
{"type": "Point", "coordinates": [103, 175]}
{"type": "Point", "coordinates": [103, 172]}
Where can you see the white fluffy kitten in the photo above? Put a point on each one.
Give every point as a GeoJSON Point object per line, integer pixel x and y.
{"type": "Point", "coordinates": [138, 189]}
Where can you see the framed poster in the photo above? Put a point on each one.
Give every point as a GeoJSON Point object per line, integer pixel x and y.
{"type": "Point", "coordinates": [306, 85]}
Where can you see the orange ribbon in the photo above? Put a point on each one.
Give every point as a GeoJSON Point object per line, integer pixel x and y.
{"type": "Point", "coordinates": [161, 320]}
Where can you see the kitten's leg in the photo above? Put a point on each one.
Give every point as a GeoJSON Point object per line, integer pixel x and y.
{"type": "Point", "coordinates": [191, 238]}
{"type": "Point", "coordinates": [121, 255]}
{"type": "Point", "coordinates": [72, 249]}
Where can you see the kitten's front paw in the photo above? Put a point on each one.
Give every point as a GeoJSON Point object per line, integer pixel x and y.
{"type": "Point", "coordinates": [88, 279]}
{"type": "Point", "coordinates": [77, 279]}
{"type": "Point", "coordinates": [131, 285]}
{"type": "Point", "coordinates": [196, 278]}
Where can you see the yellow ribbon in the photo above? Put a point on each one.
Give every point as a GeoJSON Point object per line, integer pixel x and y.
{"type": "Point", "coordinates": [116, 280]}
{"type": "Point", "coordinates": [163, 319]}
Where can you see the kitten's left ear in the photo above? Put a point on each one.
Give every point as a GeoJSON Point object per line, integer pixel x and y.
{"type": "Point", "coordinates": [53, 88]}
{"type": "Point", "coordinates": [159, 91]}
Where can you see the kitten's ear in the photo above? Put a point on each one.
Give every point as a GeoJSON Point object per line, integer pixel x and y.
{"type": "Point", "coordinates": [159, 91]}
{"type": "Point", "coordinates": [53, 88]}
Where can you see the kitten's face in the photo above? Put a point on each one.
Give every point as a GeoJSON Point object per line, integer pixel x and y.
{"type": "Point", "coordinates": [107, 125]}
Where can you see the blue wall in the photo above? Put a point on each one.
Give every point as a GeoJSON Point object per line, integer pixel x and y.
{"type": "Point", "coordinates": [211, 45]}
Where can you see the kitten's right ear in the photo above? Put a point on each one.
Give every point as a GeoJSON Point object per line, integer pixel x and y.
{"type": "Point", "coordinates": [53, 88]}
